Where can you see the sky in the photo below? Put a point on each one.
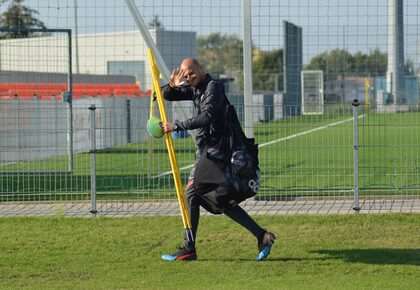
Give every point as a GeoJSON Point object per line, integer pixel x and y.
{"type": "Point", "coordinates": [357, 25]}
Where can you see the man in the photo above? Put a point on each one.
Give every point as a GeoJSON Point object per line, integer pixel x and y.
{"type": "Point", "coordinates": [191, 82]}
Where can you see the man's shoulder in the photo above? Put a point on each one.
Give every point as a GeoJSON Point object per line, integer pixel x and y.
{"type": "Point", "coordinates": [206, 80]}
{"type": "Point", "coordinates": [214, 85]}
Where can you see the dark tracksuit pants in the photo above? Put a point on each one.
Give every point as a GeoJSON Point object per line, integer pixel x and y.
{"type": "Point", "coordinates": [236, 213]}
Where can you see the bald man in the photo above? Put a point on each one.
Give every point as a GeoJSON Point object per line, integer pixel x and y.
{"type": "Point", "coordinates": [191, 82]}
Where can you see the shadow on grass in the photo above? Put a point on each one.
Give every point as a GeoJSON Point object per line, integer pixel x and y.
{"type": "Point", "coordinates": [376, 256]}
{"type": "Point", "coordinates": [269, 259]}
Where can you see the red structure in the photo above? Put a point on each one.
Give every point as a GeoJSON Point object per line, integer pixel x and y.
{"type": "Point", "coordinates": [47, 91]}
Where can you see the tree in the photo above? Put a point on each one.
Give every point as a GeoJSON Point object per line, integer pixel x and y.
{"type": "Point", "coordinates": [220, 53]}
{"type": "Point", "coordinates": [19, 18]}
{"type": "Point", "coordinates": [267, 69]}
{"type": "Point", "coordinates": [335, 62]}
{"type": "Point", "coordinates": [339, 61]}
{"type": "Point", "coordinates": [360, 63]}
{"type": "Point", "coordinates": [410, 68]}
{"type": "Point", "coordinates": [318, 62]}
{"type": "Point", "coordinates": [338, 64]}
{"type": "Point", "coordinates": [377, 63]}
{"type": "Point", "coordinates": [155, 22]}
{"type": "Point", "coordinates": [223, 54]}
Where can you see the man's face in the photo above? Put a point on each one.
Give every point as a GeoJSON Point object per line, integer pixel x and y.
{"type": "Point", "coordinates": [191, 73]}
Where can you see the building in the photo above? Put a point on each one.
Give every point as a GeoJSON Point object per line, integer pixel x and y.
{"type": "Point", "coordinates": [114, 53]}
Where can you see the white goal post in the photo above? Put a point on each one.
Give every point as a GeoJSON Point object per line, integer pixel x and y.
{"type": "Point", "coordinates": [312, 82]}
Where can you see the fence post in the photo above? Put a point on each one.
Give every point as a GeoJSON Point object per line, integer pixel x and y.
{"type": "Point", "coordinates": [355, 104]}
{"type": "Point", "coordinates": [92, 152]}
{"type": "Point", "coordinates": [128, 112]}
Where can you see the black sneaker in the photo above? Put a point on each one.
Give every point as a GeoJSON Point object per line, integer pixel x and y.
{"type": "Point", "coordinates": [183, 254]}
{"type": "Point", "coordinates": [264, 245]}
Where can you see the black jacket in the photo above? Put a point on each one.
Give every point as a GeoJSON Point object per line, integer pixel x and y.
{"type": "Point", "coordinates": [209, 110]}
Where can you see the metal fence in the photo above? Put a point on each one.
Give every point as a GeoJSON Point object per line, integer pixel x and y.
{"type": "Point", "coordinates": [349, 159]}
{"type": "Point", "coordinates": [319, 153]}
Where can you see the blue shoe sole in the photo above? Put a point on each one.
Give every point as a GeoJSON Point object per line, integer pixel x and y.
{"type": "Point", "coordinates": [169, 258]}
{"type": "Point", "coordinates": [264, 253]}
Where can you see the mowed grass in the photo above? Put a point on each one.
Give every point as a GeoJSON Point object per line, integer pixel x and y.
{"type": "Point", "coordinates": [311, 252]}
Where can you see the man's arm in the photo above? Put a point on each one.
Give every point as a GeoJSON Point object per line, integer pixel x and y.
{"type": "Point", "coordinates": [175, 90]}
{"type": "Point", "coordinates": [210, 106]}
{"type": "Point", "coordinates": [182, 93]}
{"type": "Point", "coordinates": [213, 100]}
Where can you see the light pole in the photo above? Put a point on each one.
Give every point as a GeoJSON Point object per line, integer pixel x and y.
{"type": "Point", "coordinates": [76, 37]}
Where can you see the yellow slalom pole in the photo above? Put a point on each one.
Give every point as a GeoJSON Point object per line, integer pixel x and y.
{"type": "Point", "coordinates": [152, 103]}
{"type": "Point", "coordinates": [170, 146]}
{"type": "Point", "coordinates": [149, 139]}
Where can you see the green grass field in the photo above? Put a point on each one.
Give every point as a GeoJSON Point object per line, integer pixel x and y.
{"type": "Point", "coordinates": [312, 252]}
{"type": "Point", "coordinates": [319, 159]}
